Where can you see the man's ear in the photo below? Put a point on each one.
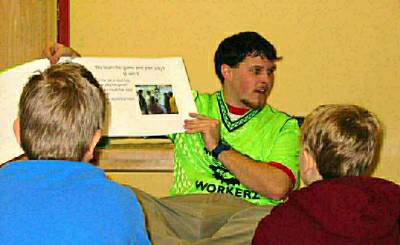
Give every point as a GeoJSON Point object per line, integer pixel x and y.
{"type": "Point", "coordinates": [89, 154]}
{"type": "Point", "coordinates": [226, 71]}
{"type": "Point", "coordinates": [17, 130]}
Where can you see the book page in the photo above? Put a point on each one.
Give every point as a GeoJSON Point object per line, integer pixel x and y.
{"type": "Point", "coordinates": [146, 96]}
{"type": "Point", "coordinates": [11, 84]}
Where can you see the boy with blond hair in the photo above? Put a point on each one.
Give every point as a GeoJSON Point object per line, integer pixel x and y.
{"type": "Point", "coordinates": [339, 205]}
{"type": "Point", "coordinates": [57, 197]}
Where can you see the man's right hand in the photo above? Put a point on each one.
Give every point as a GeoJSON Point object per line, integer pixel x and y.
{"type": "Point", "coordinates": [54, 51]}
{"type": "Point", "coordinates": [208, 127]}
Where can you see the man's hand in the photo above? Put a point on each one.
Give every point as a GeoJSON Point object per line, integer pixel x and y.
{"type": "Point", "coordinates": [54, 51]}
{"type": "Point", "coordinates": [208, 127]}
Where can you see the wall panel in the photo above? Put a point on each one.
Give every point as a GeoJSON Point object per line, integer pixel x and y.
{"type": "Point", "coordinates": [26, 25]}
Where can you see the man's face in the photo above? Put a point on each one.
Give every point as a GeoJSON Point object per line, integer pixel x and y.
{"type": "Point", "coordinates": [249, 84]}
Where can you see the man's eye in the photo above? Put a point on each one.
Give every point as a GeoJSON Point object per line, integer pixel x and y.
{"type": "Point", "coordinates": [256, 71]}
{"type": "Point", "coordinates": [270, 72]}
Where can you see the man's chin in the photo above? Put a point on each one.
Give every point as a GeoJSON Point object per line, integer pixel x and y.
{"type": "Point", "coordinates": [254, 105]}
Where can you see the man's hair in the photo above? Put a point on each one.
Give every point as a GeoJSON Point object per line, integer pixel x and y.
{"type": "Point", "coordinates": [60, 110]}
{"type": "Point", "coordinates": [344, 140]}
{"type": "Point", "coordinates": [234, 49]}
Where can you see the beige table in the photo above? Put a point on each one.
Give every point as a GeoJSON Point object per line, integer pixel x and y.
{"type": "Point", "coordinates": [136, 155]}
{"type": "Point", "coordinates": [146, 164]}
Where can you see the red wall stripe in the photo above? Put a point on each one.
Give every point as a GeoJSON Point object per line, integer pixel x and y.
{"type": "Point", "coordinates": [63, 31]}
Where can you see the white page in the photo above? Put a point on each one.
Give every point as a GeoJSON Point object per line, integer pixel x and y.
{"type": "Point", "coordinates": [11, 85]}
{"type": "Point", "coordinates": [121, 78]}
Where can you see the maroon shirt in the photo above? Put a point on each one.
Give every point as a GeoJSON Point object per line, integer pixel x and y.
{"type": "Point", "coordinates": [346, 210]}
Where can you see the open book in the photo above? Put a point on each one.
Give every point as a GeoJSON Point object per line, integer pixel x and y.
{"type": "Point", "coordinates": [147, 96]}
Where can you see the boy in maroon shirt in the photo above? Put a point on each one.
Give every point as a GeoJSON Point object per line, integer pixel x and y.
{"type": "Point", "coordinates": [339, 205]}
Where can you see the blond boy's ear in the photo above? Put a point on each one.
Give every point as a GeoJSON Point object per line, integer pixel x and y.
{"type": "Point", "coordinates": [308, 161]}
{"type": "Point", "coordinates": [309, 168]}
{"type": "Point", "coordinates": [95, 140]}
{"type": "Point", "coordinates": [17, 130]}
{"type": "Point", "coordinates": [89, 154]}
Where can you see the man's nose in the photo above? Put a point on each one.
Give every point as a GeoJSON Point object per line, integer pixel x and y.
{"type": "Point", "coordinates": [266, 78]}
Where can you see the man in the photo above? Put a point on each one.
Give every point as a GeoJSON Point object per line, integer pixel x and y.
{"type": "Point", "coordinates": [339, 206]}
{"type": "Point", "coordinates": [172, 103]}
{"type": "Point", "coordinates": [57, 197]}
{"type": "Point", "coordinates": [147, 98]}
{"type": "Point", "coordinates": [167, 106]}
{"type": "Point", "coordinates": [237, 144]}
{"type": "Point", "coordinates": [142, 102]}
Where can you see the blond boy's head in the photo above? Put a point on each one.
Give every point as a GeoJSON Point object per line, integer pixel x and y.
{"type": "Point", "coordinates": [61, 112]}
{"type": "Point", "coordinates": [338, 140]}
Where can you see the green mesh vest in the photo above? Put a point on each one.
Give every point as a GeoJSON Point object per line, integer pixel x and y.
{"type": "Point", "coordinates": [265, 135]}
